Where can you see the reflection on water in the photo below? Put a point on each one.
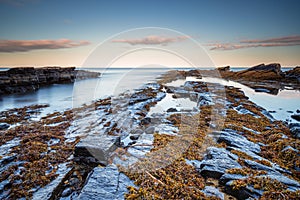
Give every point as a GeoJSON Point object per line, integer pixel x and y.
{"type": "Point", "coordinates": [282, 104]}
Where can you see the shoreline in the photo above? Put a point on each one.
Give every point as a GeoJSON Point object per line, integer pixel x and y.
{"type": "Point", "coordinates": [25, 79]}
{"type": "Point", "coordinates": [69, 138]}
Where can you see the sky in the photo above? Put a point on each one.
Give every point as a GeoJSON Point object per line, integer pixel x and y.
{"type": "Point", "coordinates": [67, 33]}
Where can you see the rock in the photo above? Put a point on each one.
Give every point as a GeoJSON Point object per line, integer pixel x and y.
{"type": "Point", "coordinates": [292, 184]}
{"type": "Point", "coordinates": [137, 131]}
{"type": "Point", "coordinates": [47, 191]}
{"type": "Point", "coordinates": [146, 121]}
{"type": "Point", "coordinates": [150, 130]}
{"type": "Point", "coordinates": [134, 137]}
{"type": "Point", "coordinates": [293, 74]}
{"type": "Point", "coordinates": [24, 79]}
{"type": "Point", "coordinates": [105, 183]}
{"type": "Point", "coordinates": [290, 148]}
{"type": "Point", "coordinates": [212, 191]}
{"type": "Point", "coordinates": [66, 192]}
{"type": "Point", "coordinates": [204, 99]}
{"type": "Point", "coordinates": [194, 72]}
{"type": "Point", "coordinates": [231, 138]}
{"type": "Point", "coordinates": [224, 69]}
{"type": "Point", "coordinates": [4, 126]}
{"type": "Point", "coordinates": [295, 129]}
{"type": "Point", "coordinates": [172, 110]}
{"type": "Point", "coordinates": [96, 149]}
{"type": "Point", "coordinates": [217, 161]}
{"type": "Point", "coordinates": [229, 177]}
{"type": "Point", "coordinates": [244, 192]}
{"type": "Point", "coordinates": [258, 166]}
{"type": "Point", "coordinates": [260, 72]}
{"type": "Point", "coordinates": [262, 90]}
{"type": "Point", "coordinates": [297, 111]}
{"type": "Point", "coordinates": [296, 117]}
{"type": "Point", "coordinates": [275, 67]}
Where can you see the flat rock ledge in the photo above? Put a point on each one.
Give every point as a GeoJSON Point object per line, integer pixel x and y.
{"type": "Point", "coordinates": [105, 183]}
{"type": "Point", "coordinates": [26, 79]}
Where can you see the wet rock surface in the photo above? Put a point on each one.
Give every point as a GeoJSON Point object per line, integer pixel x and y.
{"type": "Point", "coordinates": [105, 183]}
{"type": "Point", "coordinates": [24, 79]}
{"type": "Point", "coordinates": [217, 161]}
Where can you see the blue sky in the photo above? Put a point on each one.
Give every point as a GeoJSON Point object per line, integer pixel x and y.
{"type": "Point", "coordinates": [232, 32]}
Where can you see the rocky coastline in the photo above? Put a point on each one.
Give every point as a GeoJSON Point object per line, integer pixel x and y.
{"type": "Point", "coordinates": [267, 78]}
{"type": "Point", "coordinates": [222, 147]}
{"type": "Point", "coordinates": [26, 79]}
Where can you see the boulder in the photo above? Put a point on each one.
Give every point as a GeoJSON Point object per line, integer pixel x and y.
{"type": "Point", "coordinates": [296, 117]}
{"type": "Point", "coordinates": [216, 162]}
{"type": "Point", "coordinates": [224, 69]}
{"type": "Point", "coordinates": [96, 149]}
{"type": "Point", "coordinates": [105, 183]}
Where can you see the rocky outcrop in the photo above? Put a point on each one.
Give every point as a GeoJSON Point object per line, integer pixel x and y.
{"type": "Point", "coordinates": [293, 74]}
{"type": "Point", "coordinates": [260, 72]}
{"type": "Point", "coordinates": [268, 78]}
{"type": "Point", "coordinates": [24, 79]}
{"type": "Point", "coordinates": [224, 69]}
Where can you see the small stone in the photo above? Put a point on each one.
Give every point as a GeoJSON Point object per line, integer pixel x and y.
{"type": "Point", "coordinates": [4, 126]}
{"type": "Point", "coordinates": [66, 192]}
{"type": "Point", "coordinates": [150, 130]}
{"type": "Point", "coordinates": [296, 117]}
{"type": "Point", "coordinates": [134, 137]}
{"type": "Point", "coordinates": [137, 132]}
{"type": "Point", "coordinates": [172, 110]}
{"type": "Point", "coordinates": [146, 121]}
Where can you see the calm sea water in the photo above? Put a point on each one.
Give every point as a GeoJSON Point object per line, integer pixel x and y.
{"type": "Point", "coordinates": [63, 96]}
{"type": "Point", "coordinates": [116, 80]}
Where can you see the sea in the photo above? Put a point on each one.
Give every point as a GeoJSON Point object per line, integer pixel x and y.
{"type": "Point", "coordinates": [114, 81]}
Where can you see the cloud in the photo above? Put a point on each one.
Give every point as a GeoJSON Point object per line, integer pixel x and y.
{"type": "Point", "coordinates": [287, 39]}
{"type": "Point", "coordinates": [8, 46]}
{"type": "Point", "coordinates": [152, 40]}
{"type": "Point", "coordinates": [243, 44]}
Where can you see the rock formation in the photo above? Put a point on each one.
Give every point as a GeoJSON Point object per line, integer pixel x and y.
{"type": "Point", "coordinates": [24, 79]}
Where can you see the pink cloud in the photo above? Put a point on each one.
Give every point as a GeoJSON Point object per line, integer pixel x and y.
{"type": "Point", "coordinates": [8, 46]}
{"type": "Point", "coordinates": [287, 39]}
{"type": "Point", "coordinates": [272, 42]}
{"type": "Point", "coordinates": [152, 40]}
